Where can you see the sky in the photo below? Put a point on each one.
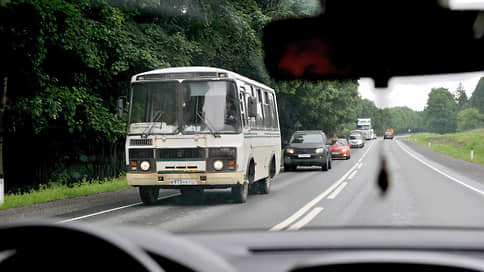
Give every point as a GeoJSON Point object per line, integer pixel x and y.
{"type": "Point", "coordinates": [413, 91]}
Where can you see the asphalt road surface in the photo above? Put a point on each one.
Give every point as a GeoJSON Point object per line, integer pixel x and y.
{"type": "Point", "coordinates": [425, 189]}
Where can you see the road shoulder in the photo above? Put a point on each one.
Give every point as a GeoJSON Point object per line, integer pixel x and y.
{"type": "Point", "coordinates": [471, 170]}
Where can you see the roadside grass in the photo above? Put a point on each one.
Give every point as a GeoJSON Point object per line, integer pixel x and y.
{"type": "Point", "coordinates": [457, 145]}
{"type": "Point", "coordinates": [56, 192]}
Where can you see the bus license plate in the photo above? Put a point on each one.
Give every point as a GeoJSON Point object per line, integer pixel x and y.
{"type": "Point", "coordinates": [182, 181]}
{"type": "Point", "coordinates": [304, 156]}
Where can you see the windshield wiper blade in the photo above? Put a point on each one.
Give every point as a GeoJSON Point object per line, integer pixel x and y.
{"type": "Point", "coordinates": [210, 127]}
{"type": "Point", "coordinates": [148, 131]}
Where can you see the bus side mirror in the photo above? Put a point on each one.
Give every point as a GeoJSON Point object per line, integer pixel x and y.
{"type": "Point", "coordinates": [252, 107]}
{"type": "Point", "coordinates": [120, 104]}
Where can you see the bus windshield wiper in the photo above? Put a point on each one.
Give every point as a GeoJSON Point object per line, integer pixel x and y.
{"type": "Point", "coordinates": [148, 130]}
{"type": "Point", "coordinates": [210, 127]}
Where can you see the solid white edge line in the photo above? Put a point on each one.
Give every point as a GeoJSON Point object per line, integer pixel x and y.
{"type": "Point", "coordinates": [335, 193]}
{"type": "Point", "coordinates": [111, 210]}
{"type": "Point", "coordinates": [352, 174]}
{"type": "Point", "coordinates": [313, 202]}
{"type": "Point", "coordinates": [306, 219]}
{"type": "Point", "coordinates": [439, 171]}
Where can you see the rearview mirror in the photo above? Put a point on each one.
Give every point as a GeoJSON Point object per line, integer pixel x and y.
{"type": "Point", "coordinates": [376, 39]}
{"type": "Point", "coordinates": [120, 106]}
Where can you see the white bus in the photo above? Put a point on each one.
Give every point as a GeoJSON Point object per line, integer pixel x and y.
{"type": "Point", "coordinates": [196, 128]}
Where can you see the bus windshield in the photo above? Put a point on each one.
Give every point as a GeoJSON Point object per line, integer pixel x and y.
{"type": "Point", "coordinates": [188, 107]}
{"type": "Point", "coordinates": [363, 127]}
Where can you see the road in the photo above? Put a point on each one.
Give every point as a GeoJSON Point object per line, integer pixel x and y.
{"type": "Point", "coordinates": [425, 189]}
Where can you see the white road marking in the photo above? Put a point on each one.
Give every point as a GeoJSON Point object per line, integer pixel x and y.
{"type": "Point", "coordinates": [306, 219]}
{"type": "Point", "coordinates": [111, 210]}
{"type": "Point", "coordinates": [352, 175]}
{"type": "Point", "coordinates": [337, 191]}
{"type": "Point", "coordinates": [315, 201]}
{"type": "Point", "coordinates": [440, 172]}
{"type": "Point", "coordinates": [359, 166]}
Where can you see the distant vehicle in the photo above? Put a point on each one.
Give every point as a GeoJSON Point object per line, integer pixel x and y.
{"type": "Point", "coordinates": [363, 126]}
{"type": "Point", "coordinates": [356, 140]}
{"type": "Point", "coordinates": [388, 134]}
{"type": "Point", "coordinates": [340, 148]}
{"type": "Point", "coordinates": [307, 148]}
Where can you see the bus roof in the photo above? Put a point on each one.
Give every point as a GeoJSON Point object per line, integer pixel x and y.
{"type": "Point", "coordinates": [200, 69]}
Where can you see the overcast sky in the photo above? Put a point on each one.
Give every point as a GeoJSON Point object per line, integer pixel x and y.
{"type": "Point", "coordinates": [413, 91]}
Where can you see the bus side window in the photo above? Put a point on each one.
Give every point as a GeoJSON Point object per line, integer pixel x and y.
{"type": "Point", "coordinates": [260, 110]}
{"type": "Point", "coordinates": [268, 112]}
{"type": "Point", "coordinates": [252, 121]}
{"type": "Point", "coordinates": [243, 106]}
{"type": "Point", "coordinates": [275, 120]}
{"type": "Point", "coordinates": [272, 110]}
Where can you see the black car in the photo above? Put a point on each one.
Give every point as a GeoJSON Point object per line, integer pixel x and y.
{"type": "Point", "coordinates": [388, 135]}
{"type": "Point", "coordinates": [307, 148]}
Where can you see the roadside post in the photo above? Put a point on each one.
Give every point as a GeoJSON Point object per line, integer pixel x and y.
{"type": "Point", "coordinates": [2, 110]}
{"type": "Point", "coordinates": [472, 154]}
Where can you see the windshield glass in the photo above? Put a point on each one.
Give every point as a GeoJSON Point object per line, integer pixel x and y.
{"type": "Point", "coordinates": [163, 114]}
{"type": "Point", "coordinates": [207, 107]}
{"type": "Point", "coordinates": [154, 103]}
{"type": "Point", "coordinates": [306, 139]}
{"type": "Point", "coordinates": [337, 142]}
{"type": "Point", "coordinates": [363, 127]}
{"type": "Point", "coordinates": [210, 105]}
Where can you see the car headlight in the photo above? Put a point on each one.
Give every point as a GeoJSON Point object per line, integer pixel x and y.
{"type": "Point", "coordinates": [145, 165]}
{"type": "Point", "coordinates": [290, 150]}
{"type": "Point", "coordinates": [319, 150]}
{"type": "Point", "coordinates": [218, 165]}
{"type": "Point", "coordinates": [344, 149]}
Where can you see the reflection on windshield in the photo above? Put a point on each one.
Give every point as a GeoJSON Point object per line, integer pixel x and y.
{"type": "Point", "coordinates": [206, 107]}
{"type": "Point", "coordinates": [209, 106]}
{"type": "Point", "coordinates": [306, 139]}
{"type": "Point", "coordinates": [338, 142]}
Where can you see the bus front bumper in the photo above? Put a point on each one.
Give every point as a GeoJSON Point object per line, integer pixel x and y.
{"type": "Point", "coordinates": [179, 180]}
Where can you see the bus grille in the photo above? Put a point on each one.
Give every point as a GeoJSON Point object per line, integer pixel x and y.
{"type": "Point", "coordinates": [141, 142]}
{"type": "Point", "coordinates": [181, 153]}
{"type": "Point", "coordinates": [138, 154]}
{"type": "Point", "coordinates": [304, 150]}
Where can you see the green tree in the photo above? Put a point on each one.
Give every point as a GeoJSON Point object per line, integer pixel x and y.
{"type": "Point", "coordinates": [440, 114]}
{"type": "Point", "coordinates": [461, 97]}
{"type": "Point", "coordinates": [477, 98]}
{"type": "Point", "coordinates": [469, 119]}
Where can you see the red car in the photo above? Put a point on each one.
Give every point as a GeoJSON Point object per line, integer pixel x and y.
{"type": "Point", "coordinates": [340, 148]}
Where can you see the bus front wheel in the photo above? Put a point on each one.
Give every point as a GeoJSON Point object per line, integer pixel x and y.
{"type": "Point", "coordinates": [240, 192]}
{"type": "Point", "coordinates": [149, 194]}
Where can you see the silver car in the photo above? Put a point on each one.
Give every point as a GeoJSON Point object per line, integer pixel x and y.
{"type": "Point", "coordinates": [356, 140]}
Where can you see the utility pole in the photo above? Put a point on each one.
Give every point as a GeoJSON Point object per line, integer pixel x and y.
{"type": "Point", "coordinates": [3, 102]}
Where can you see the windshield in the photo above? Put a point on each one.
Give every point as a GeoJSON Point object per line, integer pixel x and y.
{"type": "Point", "coordinates": [206, 107]}
{"type": "Point", "coordinates": [363, 127]}
{"type": "Point", "coordinates": [306, 139]}
{"type": "Point", "coordinates": [337, 142]}
{"type": "Point", "coordinates": [163, 114]}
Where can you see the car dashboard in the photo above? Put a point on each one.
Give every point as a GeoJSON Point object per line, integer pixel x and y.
{"type": "Point", "coordinates": [55, 247]}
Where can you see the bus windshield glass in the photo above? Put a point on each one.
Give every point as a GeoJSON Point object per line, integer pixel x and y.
{"type": "Point", "coordinates": [363, 127]}
{"type": "Point", "coordinates": [188, 107]}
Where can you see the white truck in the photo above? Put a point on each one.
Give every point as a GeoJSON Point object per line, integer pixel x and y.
{"type": "Point", "coordinates": [363, 126]}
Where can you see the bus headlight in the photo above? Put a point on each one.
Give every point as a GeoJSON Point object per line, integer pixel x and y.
{"type": "Point", "coordinates": [218, 165]}
{"type": "Point", "coordinates": [145, 165]}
